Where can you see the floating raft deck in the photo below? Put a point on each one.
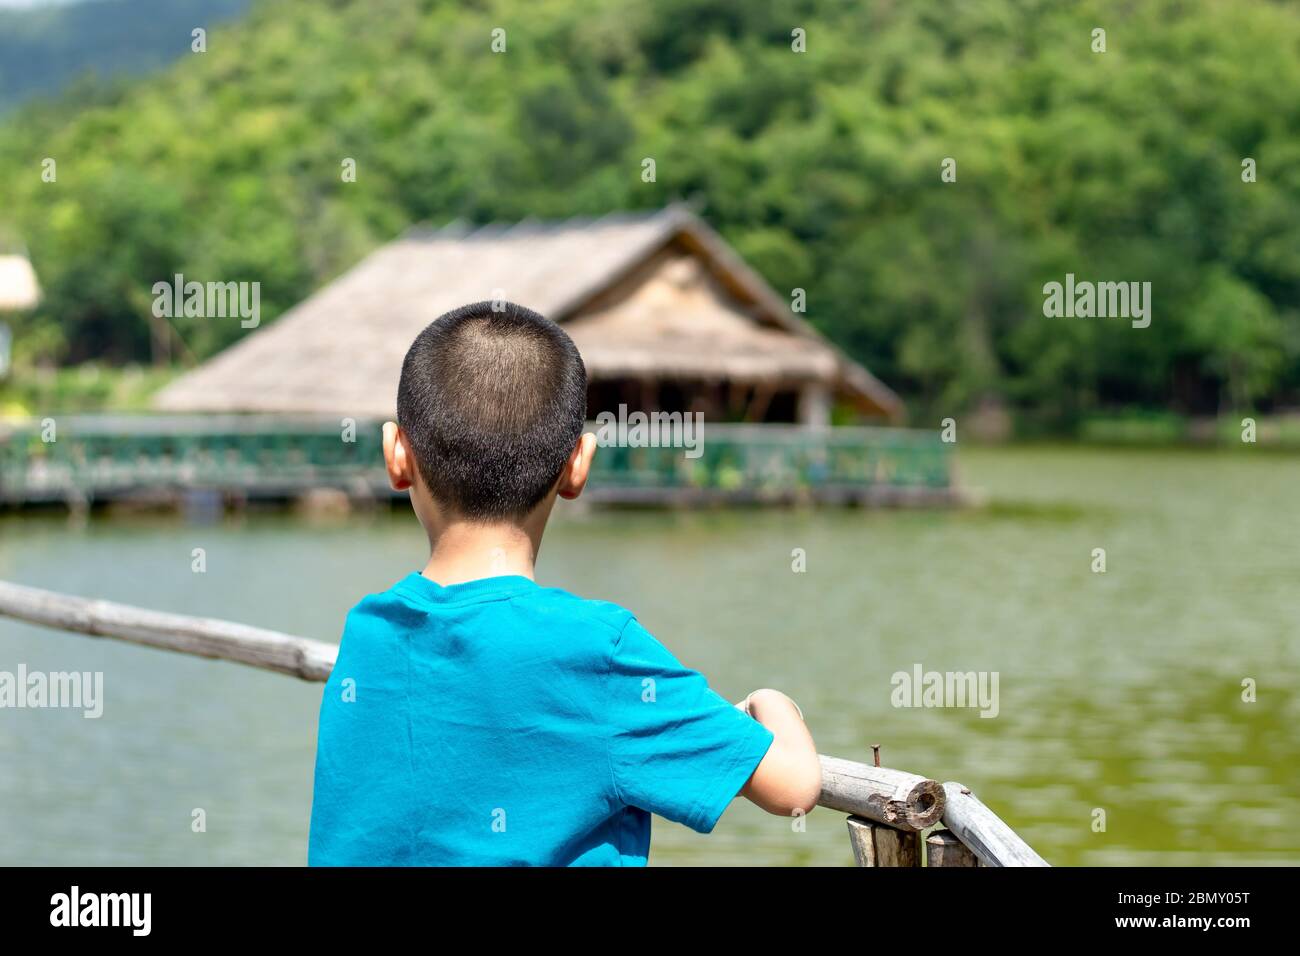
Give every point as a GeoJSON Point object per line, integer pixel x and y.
{"type": "Point", "coordinates": [81, 460]}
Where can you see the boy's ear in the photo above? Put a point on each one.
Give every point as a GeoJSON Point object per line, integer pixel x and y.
{"type": "Point", "coordinates": [398, 459]}
{"type": "Point", "coordinates": [574, 476]}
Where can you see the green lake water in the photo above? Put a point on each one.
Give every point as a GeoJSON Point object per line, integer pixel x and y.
{"type": "Point", "coordinates": [1120, 691]}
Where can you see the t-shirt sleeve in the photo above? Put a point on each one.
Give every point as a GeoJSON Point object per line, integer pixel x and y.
{"type": "Point", "coordinates": [677, 748]}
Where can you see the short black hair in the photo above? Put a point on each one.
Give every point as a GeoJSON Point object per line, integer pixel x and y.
{"type": "Point", "coordinates": [492, 399]}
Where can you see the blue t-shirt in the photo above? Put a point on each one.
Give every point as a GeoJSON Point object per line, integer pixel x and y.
{"type": "Point", "coordinates": [499, 722]}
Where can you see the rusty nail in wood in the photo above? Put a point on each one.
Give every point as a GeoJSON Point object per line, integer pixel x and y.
{"type": "Point", "coordinates": [875, 753]}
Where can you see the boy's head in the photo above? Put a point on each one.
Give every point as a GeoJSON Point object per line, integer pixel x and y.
{"type": "Point", "coordinates": [490, 406]}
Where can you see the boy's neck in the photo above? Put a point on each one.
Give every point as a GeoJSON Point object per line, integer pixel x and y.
{"type": "Point", "coordinates": [462, 551]}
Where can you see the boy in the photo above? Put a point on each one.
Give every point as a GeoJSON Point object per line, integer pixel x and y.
{"type": "Point", "coordinates": [477, 718]}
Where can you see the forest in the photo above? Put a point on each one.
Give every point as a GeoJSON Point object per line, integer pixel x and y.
{"type": "Point", "coordinates": [922, 170]}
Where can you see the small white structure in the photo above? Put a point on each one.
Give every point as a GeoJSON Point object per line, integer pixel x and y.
{"type": "Point", "coordinates": [19, 289]}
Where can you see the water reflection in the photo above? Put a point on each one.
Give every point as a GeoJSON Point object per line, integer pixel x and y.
{"type": "Point", "coordinates": [1118, 691]}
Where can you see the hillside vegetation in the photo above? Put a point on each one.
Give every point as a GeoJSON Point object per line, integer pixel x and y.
{"type": "Point", "coordinates": [822, 168]}
{"type": "Point", "coordinates": [44, 49]}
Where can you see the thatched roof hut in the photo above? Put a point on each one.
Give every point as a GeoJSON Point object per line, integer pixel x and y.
{"type": "Point", "coordinates": [664, 313]}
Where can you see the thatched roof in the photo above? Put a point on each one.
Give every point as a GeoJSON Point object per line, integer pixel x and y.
{"type": "Point", "coordinates": [18, 287]}
{"type": "Point", "coordinates": [655, 296]}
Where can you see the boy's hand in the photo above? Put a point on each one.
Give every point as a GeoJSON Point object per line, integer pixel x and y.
{"type": "Point", "coordinates": [789, 778]}
{"type": "Point", "coordinates": [744, 705]}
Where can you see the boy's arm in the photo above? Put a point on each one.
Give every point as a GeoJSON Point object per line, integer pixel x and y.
{"type": "Point", "coordinates": [678, 749]}
{"type": "Point", "coordinates": [789, 777]}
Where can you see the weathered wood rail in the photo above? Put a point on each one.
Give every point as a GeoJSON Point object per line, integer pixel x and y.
{"type": "Point", "coordinates": [888, 809]}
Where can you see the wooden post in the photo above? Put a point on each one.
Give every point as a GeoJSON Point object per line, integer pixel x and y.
{"type": "Point", "coordinates": [875, 844]}
{"type": "Point", "coordinates": [815, 405]}
{"type": "Point", "coordinates": [942, 848]}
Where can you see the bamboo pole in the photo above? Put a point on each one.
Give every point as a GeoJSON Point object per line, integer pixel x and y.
{"type": "Point", "coordinates": [980, 829]}
{"type": "Point", "coordinates": [898, 799]}
{"type": "Point", "coordinates": [205, 637]}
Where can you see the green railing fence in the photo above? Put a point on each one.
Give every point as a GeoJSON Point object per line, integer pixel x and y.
{"type": "Point", "coordinates": [88, 458]}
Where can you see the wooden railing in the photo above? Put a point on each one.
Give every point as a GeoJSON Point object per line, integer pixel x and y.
{"type": "Point", "coordinates": [888, 809]}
